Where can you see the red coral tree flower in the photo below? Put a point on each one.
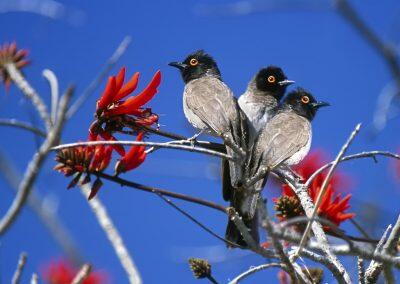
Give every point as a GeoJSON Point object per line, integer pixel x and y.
{"type": "Point", "coordinates": [332, 207]}
{"type": "Point", "coordinates": [133, 159]}
{"type": "Point", "coordinates": [9, 54]}
{"type": "Point", "coordinates": [62, 272]}
{"type": "Point", "coordinates": [83, 161]}
{"type": "Point", "coordinates": [113, 113]}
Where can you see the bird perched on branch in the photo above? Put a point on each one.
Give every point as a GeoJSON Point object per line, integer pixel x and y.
{"type": "Point", "coordinates": [209, 105]}
{"type": "Point", "coordinates": [284, 141]}
{"type": "Point", "coordinates": [258, 102]}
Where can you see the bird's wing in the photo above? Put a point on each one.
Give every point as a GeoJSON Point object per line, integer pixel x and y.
{"type": "Point", "coordinates": [284, 135]}
{"type": "Point", "coordinates": [213, 102]}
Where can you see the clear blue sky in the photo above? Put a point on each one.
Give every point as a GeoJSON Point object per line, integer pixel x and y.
{"type": "Point", "coordinates": [315, 47]}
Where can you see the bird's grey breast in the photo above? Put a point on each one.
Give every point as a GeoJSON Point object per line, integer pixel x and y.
{"type": "Point", "coordinates": [258, 109]}
{"type": "Point", "coordinates": [209, 104]}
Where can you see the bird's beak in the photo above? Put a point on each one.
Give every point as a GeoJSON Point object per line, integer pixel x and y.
{"type": "Point", "coordinates": [178, 65]}
{"type": "Point", "coordinates": [317, 105]}
{"type": "Point", "coordinates": [286, 82]}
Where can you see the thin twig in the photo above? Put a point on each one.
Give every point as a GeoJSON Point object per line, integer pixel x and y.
{"type": "Point", "coordinates": [18, 272]}
{"type": "Point", "coordinates": [325, 185]}
{"type": "Point", "coordinates": [29, 92]}
{"type": "Point", "coordinates": [201, 225]}
{"type": "Point", "coordinates": [369, 154]}
{"type": "Point", "coordinates": [143, 143]}
{"type": "Point", "coordinates": [53, 82]}
{"type": "Point", "coordinates": [334, 265]}
{"type": "Point", "coordinates": [34, 279]}
{"type": "Point", "coordinates": [253, 270]}
{"type": "Point", "coordinates": [162, 191]}
{"type": "Point", "coordinates": [82, 274]}
{"type": "Point", "coordinates": [34, 166]}
{"type": "Point", "coordinates": [293, 269]}
{"type": "Point", "coordinates": [388, 247]}
{"type": "Point", "coordinates": [23, 125]}
{"type": "Point", "coordinates": [113, 236]}
{"type": "Point", "coordinates": [100, 77]}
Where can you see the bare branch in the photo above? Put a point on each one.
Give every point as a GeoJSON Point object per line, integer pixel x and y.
{"type": "Point", "coordinates": [82, 274]}
{"type": "Point", "coordinates": [191, 218]}
{"type": "Point", "coordinates": [23, 125]}
{"type": "Point", "coordinates": [142, 143]}
{"type": "Point", "coordinates": [369, 154]}
{"type": "Point", "coordinates": [34, 166]}
{"type": "Point", "coordinates": [387, 247]}
{"type": "Point", "coordinates": [100, 77]}
{"type": "Point", "coordinates": [53, 82]}
{"type": "Point", "coordinates": [113, 236]}
{"type": "Point", "coordinates": [162, 192]}
{"type": "Point", "coordinates": [34, 279]}
{"type": "Point", "coordinates": [253, 270]}
{"type": "Point", "coordinates": [18, 272]}
{"type": "Point", "coordinates": [325, 184]}
{"type": "Point", "coordinates": [29, 92]}
{"type": "Point", "coordinates": [293, 269]}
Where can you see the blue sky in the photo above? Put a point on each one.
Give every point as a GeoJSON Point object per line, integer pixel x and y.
{"type": "Point", "coordinates": [315, 47]}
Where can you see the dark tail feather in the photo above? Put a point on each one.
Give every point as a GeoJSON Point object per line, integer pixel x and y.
{"type": "Point", "coordinates": [227, 188]}
{"type": "Point", "coordinates": [233, 234]}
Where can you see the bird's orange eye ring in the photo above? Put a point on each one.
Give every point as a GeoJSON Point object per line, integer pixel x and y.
{"type": "Point", "coordinates": [305, 99]}
{"type": "Point", "coordinates": [271, 79]}
{"type": "Point", "coordinates": [193, 62]}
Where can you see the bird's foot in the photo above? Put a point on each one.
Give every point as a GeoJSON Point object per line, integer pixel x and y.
{"type": "Point", "coordinates": [192, 140]}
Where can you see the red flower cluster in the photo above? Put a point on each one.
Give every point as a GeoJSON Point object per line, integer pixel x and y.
{"type": "Point", "coordinates": [10, 54]}
{"type": "Point", "coordinates": [113, 115]}
{"type": "Point", "coordinates": [332, 207]}
{"type": "Point", "coordinates": [62, 272]}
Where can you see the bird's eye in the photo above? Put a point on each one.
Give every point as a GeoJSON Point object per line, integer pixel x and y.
{"type": "Point", "coordinates": [305, 99]}
{"type": "Point", "coordinates": [194, 62]}
{"type": "Point", "coordinates": [271, 79]}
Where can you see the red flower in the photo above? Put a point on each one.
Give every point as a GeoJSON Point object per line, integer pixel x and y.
{"type": "Point", "coordinates": [134, 158]}
{"type": "Point", "coordinates": [10, 54]}
{"type": "Point", "coordinates": [111, 103]}
{"type": "Point", "coordinates": [83, 161]}
{"type": "Point", "coordinates": [62, 272]}
{"type": "Point", "coordinates": [332, 207]}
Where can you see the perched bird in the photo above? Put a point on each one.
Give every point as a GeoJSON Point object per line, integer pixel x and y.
{"type": "Point", "coordinates": [284, 141]}
{"type": "Point", "coordinates": [209, 105]}
{"type": "Point", "coordinates": [262, 95]}
{"type": "Point", "coordinates": [258, 102]}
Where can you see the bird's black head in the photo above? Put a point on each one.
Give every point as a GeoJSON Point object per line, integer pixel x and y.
{"type": "Point", "coordinates": [197, 65]}
{"type": "Point", "coordinates": [303, 103]}
{"type": "Point", "coordinates": [273, 81]}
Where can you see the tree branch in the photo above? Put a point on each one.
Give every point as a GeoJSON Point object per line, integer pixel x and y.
{"type": "Point", "coordinates": [253, 270]}
{"type": "Point", "coordinates": [34, 166]}
{"type": "Point", "coordinates": [142, 143]}
{"type": "Point", "coordinates": [325, 185]}
{"type": "Point", "coordinates": [29, 92]}
{"type": "Point", "coordinates": [22, 125]}
{"type": "Point", "coordinates": [113, 236]}
{"type": "Point", "coordinates": [18, 272]}
{"type": "Point", "coordinates": [82, 274]}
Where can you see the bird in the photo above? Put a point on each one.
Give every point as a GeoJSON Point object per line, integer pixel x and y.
{"type": "Point", "coordinates": [210, 106]}
{"type": "Point", "coordinates": [283, 141]}
{"type": "Point", "coordinates": [263, 93]}
{"type": "Point", "coordinates": [262, 96]}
